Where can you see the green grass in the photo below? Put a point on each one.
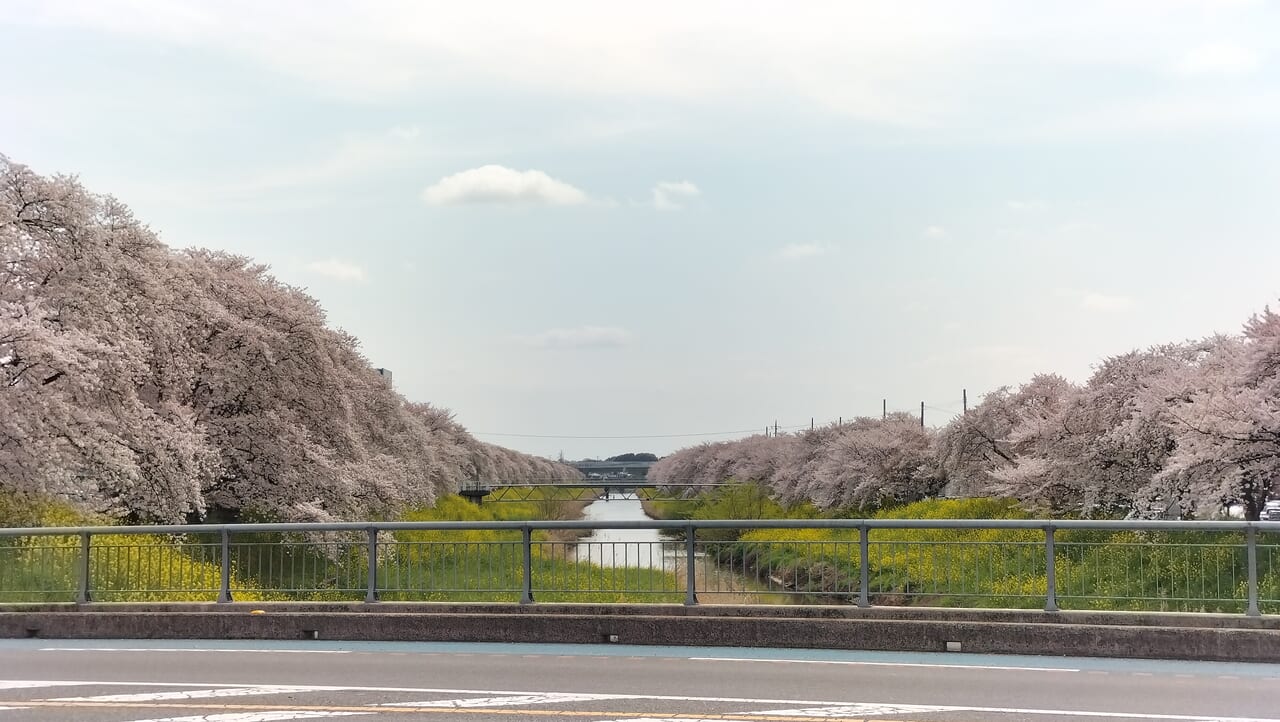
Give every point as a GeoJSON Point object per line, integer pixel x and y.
{"type": "Point", "coordinates": [1164, 571]}
{"type": "Point", "coordinates": [1174, 571]}
{"type": "Point", "coordinates": [463, 565]}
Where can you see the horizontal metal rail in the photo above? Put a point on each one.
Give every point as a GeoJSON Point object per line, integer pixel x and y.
{"type": "Point", "coordinates": [1194, 566]}
{"type": "Point", "coordinates": [287, 528]}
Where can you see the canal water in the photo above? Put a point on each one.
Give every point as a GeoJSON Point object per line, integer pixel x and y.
{"type": "Point", "coordinates": [646, 548]}
{"type": "Point", "coordinates": [625, 547]}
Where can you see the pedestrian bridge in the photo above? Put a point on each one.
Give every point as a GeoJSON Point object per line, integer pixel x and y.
{"type": "Point", "coordinates": [481, 491]}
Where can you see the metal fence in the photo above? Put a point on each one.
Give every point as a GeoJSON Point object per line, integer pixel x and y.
{"type": "Point", "coordinates": [1151, 565]}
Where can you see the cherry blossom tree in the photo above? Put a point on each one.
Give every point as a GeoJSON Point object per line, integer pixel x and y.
{"type": "Point", "coordinates": [974, 445]}
{"type": "Point", "coordinates": [874, 462]}
{"type": "Point", "coordinates": [79, 297]}
{"type": "Point", "coordinates": [159, 385]}
{"type": "Point", "coordinates": [1225, 412]}
{"type": "Point", "coordinates": [1090, 449]}
{"type": "Point", "coordinates": [865, 462]}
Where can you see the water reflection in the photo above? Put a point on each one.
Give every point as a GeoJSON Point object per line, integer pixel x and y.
{"type": "Point", "coordinates": [624, 547]}
{"type": "Point", "coordinates": [620, 548]}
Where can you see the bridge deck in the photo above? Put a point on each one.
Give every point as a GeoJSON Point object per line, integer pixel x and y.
{"type": "Point", "coordinates": [578, 491]}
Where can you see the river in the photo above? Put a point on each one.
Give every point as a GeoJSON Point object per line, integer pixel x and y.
{"type": "Point", "coordinates": [647, 548]}
{"type": "Point", "coordinates": [625, 547]}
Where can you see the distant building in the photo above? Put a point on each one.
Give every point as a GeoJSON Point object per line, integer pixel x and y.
{"type": "Point", "coordinates": [384, 373]}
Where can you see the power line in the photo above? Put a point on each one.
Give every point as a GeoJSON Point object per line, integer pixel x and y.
{"type": "Point", "coordinates": [948, 408]}
{"type": "Point", "coordinates": [631, 436]}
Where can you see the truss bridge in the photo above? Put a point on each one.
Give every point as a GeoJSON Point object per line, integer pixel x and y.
{"type": "Point", "coordinates": [578, 491]}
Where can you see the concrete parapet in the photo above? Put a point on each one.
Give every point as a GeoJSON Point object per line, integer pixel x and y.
{"type": "Point", "coordinates": [1146, 635]}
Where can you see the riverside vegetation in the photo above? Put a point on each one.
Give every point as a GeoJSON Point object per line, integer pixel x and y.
{"type": "Point", "coordinates": [458, 566]}
{"type": "Point", "coordinates": [1184, 571]}
{"type": "Point", "coordinates": [996, 568]}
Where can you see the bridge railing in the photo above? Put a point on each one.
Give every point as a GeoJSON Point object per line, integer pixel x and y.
{"type": "Point", "coordinates": [1219, 566]}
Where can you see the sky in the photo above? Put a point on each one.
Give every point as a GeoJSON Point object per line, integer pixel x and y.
{"type": "Point", "coordinates": [592, 228]}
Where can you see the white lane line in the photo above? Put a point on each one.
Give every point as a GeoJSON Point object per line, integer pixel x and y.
{"type": "Point", "coordinates": [194, 694]}
{"type": "Point", "coordinates": [1104, 715]}
{"type": "Point", "coordinates": [512, 701]}
{"type": "Point", "coordinates": [452, 691]}
{"type": "Point", "coordinates": [858, 710]}
{"type": "Point", "coordinates": [666, 719]}
{"type": "Point", "coordinates": [36, 683]}
{"type": "Point", "coordinates": [276, 716]}
{"type": "Point", "coordinates": [855, 663]}
{"type": "Point", "coordinates": [181, 649]}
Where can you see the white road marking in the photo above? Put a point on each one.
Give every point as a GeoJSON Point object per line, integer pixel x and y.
{"type": "Point", "coordinates": [1120, 715]}
{"type": "Point", "coordinates": [182, 649]}
{"type": "Point", "coordinates": [507, 694]}
{"type": "Point", "coordinates": [885, 664]}
{"type": "Point", "coordinates": [858, 710]}
{"type": "Point", "coordinates": [667, 719]}
{"type": "Point", "coordinates": [513, 701]}
{"type": "Point", "coordinates": [444, 690]}
{"type": "Point", "coordinates": [36, 683]}
{"type": "Point", "coordinates": [194, 694]}
{"type": "Point", "coordinates": [277, 716]}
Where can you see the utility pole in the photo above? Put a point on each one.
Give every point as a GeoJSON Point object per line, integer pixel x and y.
{"type": "Point", "coordinates": [922, 414]}
{"type": "Point", "coordinates": [775, 427]}
{"type": "Point", "coordinates": [884, 409]}
{"type": "Point", "coordinates": [964, 395]}
{"type": "Point", "coordinates": [840, 422]}
{"type": "Point", "coordinates": [811, 423]}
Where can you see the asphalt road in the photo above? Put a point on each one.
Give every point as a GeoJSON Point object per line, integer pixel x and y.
{"type": "Point", "coordinates": [48, 681]}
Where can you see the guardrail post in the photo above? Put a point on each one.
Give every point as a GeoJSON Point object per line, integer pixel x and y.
{"type": "Point", "coordinates": [371, 593]}
{"type": "Point", "coordinates": [526, 582]}
{"type": "Point", "coordinates": [864, 566]}
{"type": "Point", "coordinates": [83, 594]}
{"type": "Point", "coordinates": [690, 577]}
{"type": "Point", "coordinates": [224, 588]}
{"type": "Point", "coordinates": [1050, 572]}
{"type": "Point", "coordinates": [1251, 551]}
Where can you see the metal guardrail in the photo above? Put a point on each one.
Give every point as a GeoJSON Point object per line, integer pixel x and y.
{"type": "Point", "coordinates": [1219, 566]}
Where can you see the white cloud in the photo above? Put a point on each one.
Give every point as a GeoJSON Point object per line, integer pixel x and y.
{"type": "Point", "coordinates": [580, 337]}
{"type": "Point", "coordinates": [805, 250]}
{"type": "Point", "coordinates": [670, 195]}
{"type": "Point", "coordinates": [338, 270]}
{"type": "Point", "coordinates": [1220, 59]}
{"type": "Point", "coordinates": [936, 233]}
{"type": "Point", "coordinates": [501, 185]}
{"type": "Point", "coordinates": [1103, 302]}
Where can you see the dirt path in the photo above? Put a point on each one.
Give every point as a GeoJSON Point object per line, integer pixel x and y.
{"type": "Point", "coordinates": [714, 585]}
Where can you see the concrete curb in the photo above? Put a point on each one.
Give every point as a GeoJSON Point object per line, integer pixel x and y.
{"type": "Point", "coordinates": [948, 614]}
{"type": "Point", "coordinates": [979, 631]}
